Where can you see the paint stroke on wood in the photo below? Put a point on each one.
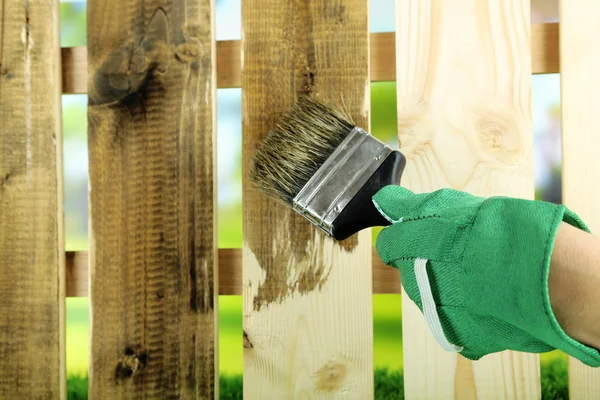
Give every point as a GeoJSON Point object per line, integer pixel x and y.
{"type": "Point", "coordinates": [544, 57]}
{"type": "Point", "coordinates": [464, 122]}
{"type": "Point", "coordinates": [153, 274]}
{"type": "Point", "coordinates": [307, 308]}
{"type": "Point", "coordinates": [31, 203]}
{"type": "Point", "coordinates": [580, 85]}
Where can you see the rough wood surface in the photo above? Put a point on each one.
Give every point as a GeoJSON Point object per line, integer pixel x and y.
{"type": "Point", "coordinates": [580, 85]}
{"type": "Point", "coordinates": [544, 57]}
{"type": "Point", "coordinates": [307, 302]}
{"type": "Point", "coordinates": [464, 122]}
{"type": "Point", "coordinates": [31, 209]}
{"type": "Point", "coordinates": [152, 197]}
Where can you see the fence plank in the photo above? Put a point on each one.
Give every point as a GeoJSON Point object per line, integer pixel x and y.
{"type": "Point", "coordinates": [31, 210]}
{"type": "Point", "coordinates": [464, 122]}
{"type": "Point", "coordinates": [580, 85]}
{"type": "Point", "coordinates": [153, 249]}
{"type": "Point", "coordinates": [307, 300]}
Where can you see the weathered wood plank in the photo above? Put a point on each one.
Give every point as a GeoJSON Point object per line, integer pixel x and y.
{"type": "Point", "coordinates": [464, 122]}
{"type": "Point", "coordinates": [580, 85]}
{"type": "Point", "coordinates": [544, 57]}
{"type": "Point", "coordinates": [31, 207]}
{"type": "Point", "coordinates": [307, 300]}
{"type": "Point", "coordinates": [152, 177]}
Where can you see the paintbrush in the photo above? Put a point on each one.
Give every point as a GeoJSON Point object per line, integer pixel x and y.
{"type": "Point", "coordinates": [326, 168]}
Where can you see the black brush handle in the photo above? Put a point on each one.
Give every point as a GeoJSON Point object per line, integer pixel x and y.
{"type": "Point", "coordinates": [360, 213]}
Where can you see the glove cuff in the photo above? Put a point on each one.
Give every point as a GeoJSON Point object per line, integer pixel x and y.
{"type": "Point", "coordinates": [557, 337]}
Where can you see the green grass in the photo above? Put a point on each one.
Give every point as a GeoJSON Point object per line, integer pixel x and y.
{"type": "Point", "coordinates": [77, 387]}
{"type": "Point", "coordinates": [231, 387]}
{"type": "Point", "coordinates": [554, 376]}
{"type": "Point", "coordinates": [389, 384]}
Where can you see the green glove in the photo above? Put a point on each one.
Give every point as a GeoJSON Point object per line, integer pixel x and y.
{"type": "Point", "coordinates": [478, 269]}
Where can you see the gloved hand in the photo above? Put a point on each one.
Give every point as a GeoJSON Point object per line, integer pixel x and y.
{"type": "Point", "coordinates": [478, 268]}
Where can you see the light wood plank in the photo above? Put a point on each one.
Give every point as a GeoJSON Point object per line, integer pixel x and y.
{"type": "Point", "coordinates": [580, 85]}
{"type": "Point", "coordinates": [152, 199]}
{"type": "Point", "coordinates": [31, 203]}
{"type": "Point", "coordinates": [307, 300]}
{"type": "Point", "coordinates": [544, 57]}
{"type": "Point", "coordinates": [464, 122]}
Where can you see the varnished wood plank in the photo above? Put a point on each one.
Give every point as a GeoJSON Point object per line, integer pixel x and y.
{"type": "Point", "coordinates": [580, 85]}
{"type": "Point", "coordinates": [31, 207]}
{"type": "Point", "coordinates": [76, 273]}
{"type": "Point", "coordinates": [151, 136]}
{"type": "Point", "coordinates": [464, 122]}
{"type": "Point", "coordinates": [544, 57]}
{"type": "Point", "coordinates": [383, 56]}
{"type": "Point", "coordinates": [229, 74]}
{"type": "Point", "coordinates": [74, 70]}
{"type": "Point", "coordinates": [385, 279]}
{"type": "Point", "coordinates": [307, 307]}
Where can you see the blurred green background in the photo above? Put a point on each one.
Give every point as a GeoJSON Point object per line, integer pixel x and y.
{"type": "Point", "coordinates": [387, 322]}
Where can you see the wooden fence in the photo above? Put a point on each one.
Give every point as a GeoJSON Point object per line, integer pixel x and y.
{"type": "Point", "coordinates": [150, 69]}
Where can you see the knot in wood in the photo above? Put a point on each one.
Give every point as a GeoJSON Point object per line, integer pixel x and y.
{"type": "Point", "coordinates": [131, 364]}
{"type": "Point", "coordinates": [187, 52]}
{"type": "Point", "coordinates": [499, 133]}
{"type": "Point", "coordinates": [331, 376]}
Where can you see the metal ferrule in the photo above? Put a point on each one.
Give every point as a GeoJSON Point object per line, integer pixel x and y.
{"type": "Point", "coordinates": [340, 177]}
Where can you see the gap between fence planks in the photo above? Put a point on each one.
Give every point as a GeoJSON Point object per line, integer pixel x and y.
{"type": "Point", "coordinates": [386, 280]}
{"type": "Point", "coordinates": [544, 59]}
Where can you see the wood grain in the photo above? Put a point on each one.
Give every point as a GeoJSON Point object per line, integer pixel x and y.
{"type": "Point", "coordinates": [151, 135]}
{"type": "Point", "coordinates": [580, 85]}
{"type": "Point", "coordinates": [307, 308]}
{"type": "Point", "coordinates": [32, 292]}
{"type": "Point", "coordinates": [464, 122]}
{"type": "Point", "coordinates": [544, 57]}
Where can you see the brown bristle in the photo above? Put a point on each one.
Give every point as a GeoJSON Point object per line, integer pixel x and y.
{"type": "Point", "coordinates": [299, 144]}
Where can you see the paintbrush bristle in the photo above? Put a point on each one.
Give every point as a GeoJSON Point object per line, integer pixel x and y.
{"type": "Point", "coordinates": [296, 148]}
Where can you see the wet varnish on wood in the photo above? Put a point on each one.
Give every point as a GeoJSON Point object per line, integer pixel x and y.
{"type": "Point", "coordinates": [580, 85]}
{"type": "Point", "coordinates": [31, 205]}
{"type": "Point", "coordinates": [464, 117]}
{"type": "Point", "coordinates": [307, 300]}
{"type": "Point", "coordinates": [152, 192]}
